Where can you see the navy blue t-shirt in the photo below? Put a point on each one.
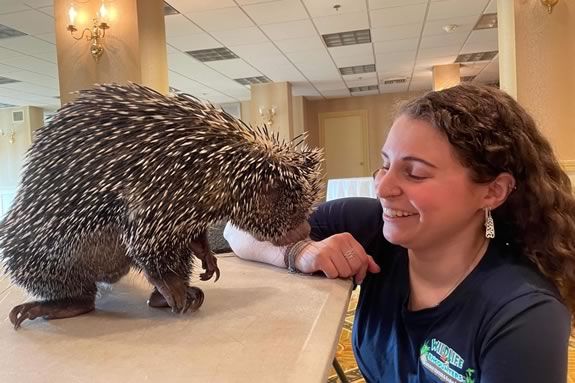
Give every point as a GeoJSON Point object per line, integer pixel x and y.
{"type": "Point", "coordinates": [504, 323]}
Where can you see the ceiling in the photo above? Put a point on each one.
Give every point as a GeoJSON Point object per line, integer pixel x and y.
{"type": "Point", "coordinates": [278, 39]}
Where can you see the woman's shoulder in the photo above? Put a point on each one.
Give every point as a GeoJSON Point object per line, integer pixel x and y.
{"type": "Point", "coordinates": [509, 287]}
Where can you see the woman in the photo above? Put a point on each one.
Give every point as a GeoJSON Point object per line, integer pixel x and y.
{"type": "Point", "coordinates": [473, 242]}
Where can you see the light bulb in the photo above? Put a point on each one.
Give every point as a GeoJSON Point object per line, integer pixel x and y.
{"type": "Point", "coordinates": [72, 15]}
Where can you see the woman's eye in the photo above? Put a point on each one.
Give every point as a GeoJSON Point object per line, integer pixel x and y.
{"type": "Point", "coordinates": [415, 177]}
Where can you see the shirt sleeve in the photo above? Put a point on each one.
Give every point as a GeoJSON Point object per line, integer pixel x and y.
{"type": "Point", "coordinates": [361, 217]}
{"type": "Point", "coordinates": [528, 346]}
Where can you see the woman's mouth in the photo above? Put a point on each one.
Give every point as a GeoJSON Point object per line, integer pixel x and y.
{"type": "Point", "coordinates": [393, 213]}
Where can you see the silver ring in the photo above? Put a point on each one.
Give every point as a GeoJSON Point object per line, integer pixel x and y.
{"type": "Point", "coordinates": [349, 254]}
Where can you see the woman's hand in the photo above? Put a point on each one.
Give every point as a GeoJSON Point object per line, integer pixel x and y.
{"type": "Point", "coordinates": [338, 256]}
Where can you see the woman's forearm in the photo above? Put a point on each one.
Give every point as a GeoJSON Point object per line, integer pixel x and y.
{"type": "Point", "coordinates": [247, 247]}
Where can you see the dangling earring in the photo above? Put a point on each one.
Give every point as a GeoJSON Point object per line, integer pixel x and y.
{"type": "Point", "coordinates": [489, 226]}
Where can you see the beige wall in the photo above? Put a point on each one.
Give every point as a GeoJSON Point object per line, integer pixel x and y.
{"type": "Point", "coordinates": [537, 57]}
{"type": "Point", "coordinates": [134, 46]}
{"type": "Point", "coordinates": [269, 95]}
{"type": "Point", "coordinates": [12, 154]}
{"type": "Point", "coordinates": [380, 109]}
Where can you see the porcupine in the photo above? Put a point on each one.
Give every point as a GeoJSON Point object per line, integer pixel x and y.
{"type": "Point", "coordinates": [124, 177]}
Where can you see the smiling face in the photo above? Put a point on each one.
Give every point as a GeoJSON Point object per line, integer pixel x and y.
{"type": "Point", "coordinates": [428, 197]}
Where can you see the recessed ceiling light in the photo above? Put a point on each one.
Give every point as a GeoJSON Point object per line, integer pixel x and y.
{"type": "Point", "coordinates": [450, 28]}
{"type": "Point", "coordinates": [486, 21]}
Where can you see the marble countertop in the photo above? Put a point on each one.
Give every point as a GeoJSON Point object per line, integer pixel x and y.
{"type": "Point", "coordinates": [258, 323]}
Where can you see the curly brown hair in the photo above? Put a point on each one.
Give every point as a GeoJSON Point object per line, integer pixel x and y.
{"type": "Point", "coordinates": [491, 133]}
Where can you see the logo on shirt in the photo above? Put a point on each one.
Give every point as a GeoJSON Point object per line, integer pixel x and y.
{"type": "Point", "coordinates": [443, 362]}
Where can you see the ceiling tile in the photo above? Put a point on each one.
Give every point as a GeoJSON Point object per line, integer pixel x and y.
{"type": "Point", "coordinates": [299, 44]}
{"type": "Point", "coordinates": [304, 89]}
{"type": "Point", "coordinates": [35, 78]}
{"type": "Point", "coordinates": [7, 70]}
{"type": "Point", "coordinates": [286, 72]}
{"type": "Point", "coordinates": [30, 22]}
{"type": "Point", "coordinates": [47, 10]}
{"type": "Point", "coordinates": [376, 4]}
{"type": "Point", "coordinates": [316, 57]}
{"type": "Point", "coordinates": [33, 64]}
{"type": "Point", "coordinates": [481, 41]}
{"type": "Point", "coordinates": [254, 52]}
{"type": "Point", "coordinates": [410, 14]}
{"type": "Point", "coordinates": [188, 6]}
{"type": "Point", "coordinates": [352, 50]}
{"type": "Point", "coordinates": [241, 36]}
{"type": "Point", "coordinates": [317, 8]}
{"type": "Point", "coordinates": [455, 8]}
{"type": "Point", "coordinates": [290, 30]}
{"type": "Point", "coordinates": [451, 39]}
{"type": "Point", "coordinates": [397, 32]}
{"type": "Point", "coordinates": [395, 57]}
{"type": "Point", "coordinates": [342, 23]}
{"type": "Point", "coordinates": [365, 93]}
{"type": "Point", "coordinates": [395, 46]}
{"type": "Point", "coordinates": [438, 52]}
{"type": "Point", "coordinates": [346, 61]}
{"type": "Point", "coordinates": [492, 7]}
{"type": "Point", "coordinates": [221, 19]}
{"type": "Point", "coordinates": [180, 25]}
{"type": "Point", "coordinates": [329, 85]}
{"type": "Point", "coordinates": [10, 6]}
{"type": "Point", "coordinates": [276, 11]}
{"type": "Point", "coordinates": [48, 37]}
{"type": "Point", "coordinates": [368, 79]}
{"type": "Point", "coordinates": [193, 42]}
{"type": "Point", "coordinates": [27, 44]}
{"type": "Point", "coordinates": [236, 68]}
{"type": "Point", "coordinates": [464, 25]}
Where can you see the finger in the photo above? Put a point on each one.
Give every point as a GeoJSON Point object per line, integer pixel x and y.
{"type": "Point", "coordinates": [360, 275]}
{"type": "Point", "coordinates": [342, 260]}
{"type": "Point", "coordinates": [373, 267]}
{"type": "Point", "coordinates": [328, 268]}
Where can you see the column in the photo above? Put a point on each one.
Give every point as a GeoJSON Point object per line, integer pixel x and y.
{"type": "Point", "coordinates": [536, 61]}
{"type": "Point", "coordinates": [445, 76]}
{"type": "Point", "coordinates": [275, 98]}
{"type": "Point", "coordinates": [134, 45]}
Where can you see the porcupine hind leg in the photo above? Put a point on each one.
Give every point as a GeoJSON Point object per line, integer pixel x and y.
{"type": "Point", "coordinates": [51, 309]}
{"type": "Point", "coordinates": [201, 249]}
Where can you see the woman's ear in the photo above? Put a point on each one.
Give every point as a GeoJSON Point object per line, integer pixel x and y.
{"type": "Point", "coordinates": [499, 189]}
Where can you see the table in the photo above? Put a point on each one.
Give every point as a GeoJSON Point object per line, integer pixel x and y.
{"type": "Point", "coordinates": [258, 323]}
{"type": "Point", "coordinates": [350, 187]}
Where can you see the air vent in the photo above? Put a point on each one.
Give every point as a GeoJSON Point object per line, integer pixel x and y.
{"type": "Point", "coordinates": [477, 56]}
{"type": "Point", "coordinates": [467, 78]}
{"type": "Point", "coordinates": [17, 116]}
{"type": "Point", "coordinates": [6, 105]}
{"type": "Point", "coordinates": [253, 80]}
{"type": "Point", "coordinates": [363, 88]}
{"type": "Point", "coordinates": [393, 81]}
{"type": "Point", "coordinates": [486, 21]}
{"type": "Point", "coordinates": [7, 32]}
{"type": "Point", "coordinates": [169, 10]}
{"type": "Point", "coordinates": [357, 69]}
{"type": "Point", "coordinates": [361, 36]}
{"type": "Point", "coordinates": [6, 80]}
{"type": "Point", "coordinates": [214, 54]}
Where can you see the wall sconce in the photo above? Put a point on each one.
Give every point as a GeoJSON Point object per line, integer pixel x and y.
{"type": "Point", "coordinates": [12, 135]}
{"type": "Point", "coordinates": [549, 4]}
{"type": "Point", "coordinates": [94, 35]}
{"type": "Point", "coordinates": [267, 114]}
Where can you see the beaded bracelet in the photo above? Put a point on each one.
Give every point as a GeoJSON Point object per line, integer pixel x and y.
{"type": "Point", "coordinates": [292, 251]}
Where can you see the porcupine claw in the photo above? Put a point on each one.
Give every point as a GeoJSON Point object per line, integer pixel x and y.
{"type": "Point", "coordinates": [194, 299]}
{"type": "Point", "coordinates": [50, 310]}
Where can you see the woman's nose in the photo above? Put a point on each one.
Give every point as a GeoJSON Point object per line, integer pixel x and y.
{"type": "Point", "coordinates": [385, 184]}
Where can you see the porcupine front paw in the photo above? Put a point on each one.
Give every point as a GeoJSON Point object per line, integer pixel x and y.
{"type": "Point", "coordinates": [194, 299]}
{"type": "Point", "coordinates": [50, 310]}
{"type": "Point", "coordinates": [210, 265]}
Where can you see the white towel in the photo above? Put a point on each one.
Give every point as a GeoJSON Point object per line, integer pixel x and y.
{"type": "Point", "coordinates": [247, 247]}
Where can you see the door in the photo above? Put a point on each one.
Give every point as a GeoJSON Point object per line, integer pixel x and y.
{"type": "Point", "coordinates": [343, 135]}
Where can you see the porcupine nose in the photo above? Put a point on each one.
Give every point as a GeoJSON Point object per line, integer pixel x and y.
{"type": "Point", "coordinates": [296, 234]}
